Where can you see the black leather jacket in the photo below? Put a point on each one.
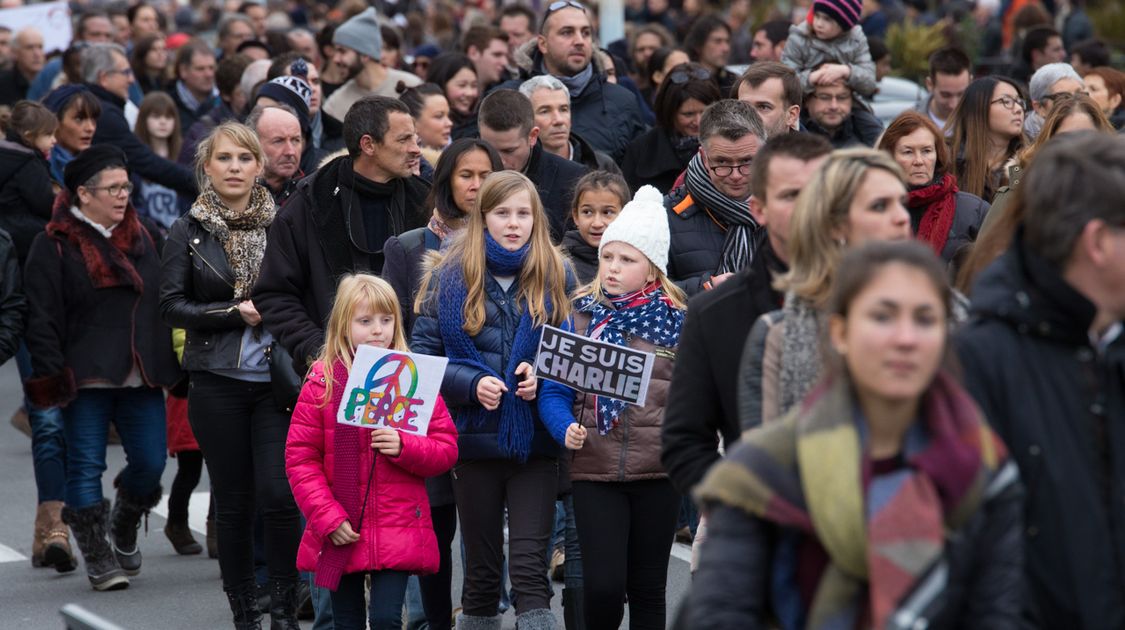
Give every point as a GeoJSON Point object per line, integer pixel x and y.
{"type": "Point", "coordinates": [197, 294]}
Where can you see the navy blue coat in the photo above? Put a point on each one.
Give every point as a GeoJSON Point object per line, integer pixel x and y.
{"type": "Point", "coordinates": [459, 388]}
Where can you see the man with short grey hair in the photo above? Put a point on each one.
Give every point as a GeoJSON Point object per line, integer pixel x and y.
{"type": "Point", "coordinates": [550, 101]}
{"type": "Point", "coordinates": [106, 72]}
{"type": "Point", "coordinates": [27, 61]}
{"type": "Point", "coordinates": [279, 131]}
{"type": "Point", "coordinates": [1047, 85]}
{"type": "Point", "coordinates": [713, 234]}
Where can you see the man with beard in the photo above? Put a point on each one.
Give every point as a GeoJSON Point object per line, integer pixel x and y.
{"type": "Point", "coordinates": [774, 91]}
{"type": "Point", "coordinates": [337, 221]}
{"type": "Point", "coordinates": [279, 131]}
{"type": "Point", "coordinates": [359, 48]}
{"type": "Point", "coordinates": [831, 112]}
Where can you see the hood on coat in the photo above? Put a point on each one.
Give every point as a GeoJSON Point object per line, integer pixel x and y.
{"type": "Point", "coordinates": [528, 59]}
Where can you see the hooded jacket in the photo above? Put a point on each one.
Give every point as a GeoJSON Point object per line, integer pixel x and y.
{"type": "Point", "coordinates": [26, 194]}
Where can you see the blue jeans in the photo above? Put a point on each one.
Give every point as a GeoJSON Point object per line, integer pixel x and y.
{"type": "Point", "coordinates": [415, 612]}
{"type": "Point", "coordinates": [322, 605]}
{"type": "Point", "coordinates": [388, 588]}
{"type": "Point", "coordinates": [48, 444]}
{"type": "Point", "coordinates": [138, 414]}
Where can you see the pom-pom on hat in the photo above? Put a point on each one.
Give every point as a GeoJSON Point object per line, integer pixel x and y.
{"type": "Point", "coordinates": [643, 223]}
{"type": "Point", "coordinates": [845, 12]}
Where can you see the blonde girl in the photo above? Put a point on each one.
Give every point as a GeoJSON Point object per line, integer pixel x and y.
{"type": "Point", "coordinates": [380, 527]}
{"type": "Point", "coordinates": [483, 306]}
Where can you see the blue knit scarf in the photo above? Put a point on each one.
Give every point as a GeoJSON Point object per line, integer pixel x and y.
{"type": "Point", "coordinates": [647, 313]}
{"type": "Point", "coordinates": [516, 422]}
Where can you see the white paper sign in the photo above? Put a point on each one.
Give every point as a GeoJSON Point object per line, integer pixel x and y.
{"type": "Point", "coordinates": [51, 18]}
{"type": "Point", "coordinates": [391, 389]}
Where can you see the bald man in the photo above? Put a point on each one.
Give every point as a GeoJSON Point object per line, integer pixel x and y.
{"type": "Point", "coordinates": [27, 61]}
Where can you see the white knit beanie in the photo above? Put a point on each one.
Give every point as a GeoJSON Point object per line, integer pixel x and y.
{"type": "Point", "coordinates": [643, 223]}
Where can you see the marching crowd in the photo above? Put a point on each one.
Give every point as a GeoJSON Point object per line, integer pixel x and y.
{"type": "Point", "coordinates": [888, 375]}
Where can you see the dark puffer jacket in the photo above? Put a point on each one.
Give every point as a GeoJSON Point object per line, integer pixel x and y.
{"type": "Point", "coordinates": [26, 194]}
{"type": "Point", "coordinates": [459, 387]}
{"type": "Point", "coordinates": [1059, 404]}
{"type": "Point", "coordinates": [197, 294]}
{"type": "Point", "coordinates": [696, 241]}
{"type": "Point", "coordinates": [555, 179]}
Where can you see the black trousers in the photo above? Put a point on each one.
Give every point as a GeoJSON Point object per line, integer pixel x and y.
{"type": "Point", "coordinates": [242, 435]}
{"type": "Point", "coordinates": [437, 589]}
{"type": "Point", "coordinates": [482, 488]}
{"type": "Point", "coordinates": [625, 531]}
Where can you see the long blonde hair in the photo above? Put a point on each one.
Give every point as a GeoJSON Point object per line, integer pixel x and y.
{"type": "Point", "coordinates": [674, 293]}
{"type": "Point", "coordinates": [821, 211]}
{"type": "Point", "coordinates": [352, 292]}
{"type": "Point", "coordinates": [543, 273]}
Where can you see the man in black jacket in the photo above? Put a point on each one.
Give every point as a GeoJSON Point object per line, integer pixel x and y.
{"type": "Point", "coordinates": [507, 122]}
{"type": "Point", "coordinates": [337, 222]}
{"type": "Point", "coordinates": [107, 73]}
{"type": "Point", "coordinates": [1044, 357]}
{"type": "Point", "coordinates": [701, 403]}
{"type": "Point", "coordinates": [831, 111]}
{"type": "Point", "coordinates": [194, 90]}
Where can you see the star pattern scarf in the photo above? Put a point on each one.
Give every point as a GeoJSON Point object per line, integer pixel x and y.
{"type": "Point", "coordinates": [647, 313]}
{"type": "Point", "coordinates": [732, 214]}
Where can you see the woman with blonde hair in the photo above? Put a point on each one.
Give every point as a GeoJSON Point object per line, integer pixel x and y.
{"type": "Point", "coordinates": [211, 261]}
{"type": "Point", "coordinates": [483, 306]}
{"type": "Point", "coordinates": [857, 196]}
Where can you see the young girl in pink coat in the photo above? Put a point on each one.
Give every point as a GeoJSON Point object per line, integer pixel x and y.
{"type": "Point", "coordinates": [379, 527]}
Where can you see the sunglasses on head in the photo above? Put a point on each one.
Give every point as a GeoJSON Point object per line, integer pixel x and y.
{"type": "Point", "coordinates": [562, 4]}
{"type": "Point", "coordinates": [683, 76]}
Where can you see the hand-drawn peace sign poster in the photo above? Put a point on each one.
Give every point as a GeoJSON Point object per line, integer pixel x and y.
{"type": "Point", "coordinates": [391, 389]}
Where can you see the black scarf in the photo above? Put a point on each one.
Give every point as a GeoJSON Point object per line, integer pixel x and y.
{"type": "Point", "coordinates": [732, 214]}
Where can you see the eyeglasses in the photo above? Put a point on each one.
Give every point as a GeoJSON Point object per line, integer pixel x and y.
{"type": "Point", "coordinates": [725, 170]}
{"type": "Point", "coordinates": [1009, 103]}
{"type": "Point", "coordinates": [1051, 97]}
{"type": "Point", "coordinates": [683, 76]}
{"type": "Point", "coordinates": [127, 72]}
{"type": "Point", "coordinates": [115, 190]}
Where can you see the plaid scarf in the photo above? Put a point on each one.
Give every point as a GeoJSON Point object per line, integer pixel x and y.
{"type": "Point", "coordinates": [732, 214]}
{"type": "Point", "coordinates": [647, 313]}
{"type": "Point", "coordinates": [807, 472]}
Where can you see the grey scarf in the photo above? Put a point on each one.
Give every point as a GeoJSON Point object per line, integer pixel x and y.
{"type": "Point", "coordinates": [800, 352]}
{"type": "Point", "coordinates": [577, 83]}
{"type": "Point", "coordinates": [733, 214]}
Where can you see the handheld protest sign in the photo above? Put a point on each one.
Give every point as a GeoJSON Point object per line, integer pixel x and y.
{"type": "Point", "coordinates": [594, 367]}
{"type": "Point", "coordinates": [391, 389]}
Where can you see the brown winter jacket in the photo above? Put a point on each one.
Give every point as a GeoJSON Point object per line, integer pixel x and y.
{"type": "Point", "coordinates": [631, 451]}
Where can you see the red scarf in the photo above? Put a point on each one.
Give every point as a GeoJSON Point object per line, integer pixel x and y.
{"type": "Point", "coordinates": [940, 201]}
{"type": "Point", "coordinates": [109, 261]}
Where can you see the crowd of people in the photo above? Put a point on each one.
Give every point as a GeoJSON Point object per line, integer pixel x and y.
{"type": "Point", "coordinates": [887, 373]}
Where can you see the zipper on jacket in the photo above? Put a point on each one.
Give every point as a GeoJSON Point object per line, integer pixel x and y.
{"type": "Point", "coordinates": [206, 262]}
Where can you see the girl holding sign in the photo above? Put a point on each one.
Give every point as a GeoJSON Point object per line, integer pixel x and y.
{"type": "Point", "coordinates": [483, 307]}
{"type": "Point", "coordinates": [624, 505]}
{"type": "Point", "coordinates": [381, 527]}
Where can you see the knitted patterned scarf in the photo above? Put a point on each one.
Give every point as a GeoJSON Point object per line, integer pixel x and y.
{"type": "Point", "coordinates": [242, 234]}
{"type": "Point", "coordinates": [646, 313]}
{"type": "Point", "coordinates": [348, 486]}
{"type": "Point", "coordinates": [732, 214]}
{"type": "Point", "coordinates": [516, 423]}
{"type": "Point", "coordinates": [806, 473]}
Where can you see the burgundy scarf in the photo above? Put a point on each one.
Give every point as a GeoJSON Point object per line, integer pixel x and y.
{"type": "Point", "coordinates": [940, 201]}
{"type": "Point", "coordinates": [347, 485]}
{"type": "Point", "coordinates": [108, 260]}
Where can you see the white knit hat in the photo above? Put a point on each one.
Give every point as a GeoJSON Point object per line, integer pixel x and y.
{"type": "Point", "coordinates": [643, 223]}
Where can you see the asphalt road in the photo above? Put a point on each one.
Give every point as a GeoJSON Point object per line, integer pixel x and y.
{"type": "Point", "coordinates": [172, 592]}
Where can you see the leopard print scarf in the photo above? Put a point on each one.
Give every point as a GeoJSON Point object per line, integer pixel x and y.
{"type": "Point", "coordinates": [243, 234]}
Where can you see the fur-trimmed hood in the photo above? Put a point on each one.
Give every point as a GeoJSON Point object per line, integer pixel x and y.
{"type": "Point", "coordinates": [530, 61]}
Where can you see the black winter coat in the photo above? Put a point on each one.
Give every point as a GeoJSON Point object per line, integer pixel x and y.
{"type": "Point", "coordinates": [188, 116]}
{"type": "Point", "coordinates": [1059, 404]}
{"type": "Point", "coordinates": [555, 179]}
{"type": "Point", "coordinates": [594, 160]}
{"type": "Point", "coordinates": [26, 194]}
{"type": "Point", "coordinates": [197, 294]}
{"type": "Point", "coordinates": [652, 160]}
{"type": "Point", "coordinates": [967, 220]}
{"type": "Point", "coordinates": [696, 245]}
{"type": "Point", "coordinates": [203, 125]}
{"type": "Point", "coordinates": [13, 305]}
{"type": "Point", "coordinates": [312, 244]}
{"type": "Point", "coordinates": [862, 128]}
{"type": "Point", "coordinates": [582, 255]}
{"type": "Point", "coordinates": [503, 310]}
{"type": "Point", "coordinates": [114, 129]}
{"type": "Point", "coordinates": [80, 334]}
{"type": "Point", "coordinates": [702, 402]}
{"type": "Point", "coordinates": [402, 267]}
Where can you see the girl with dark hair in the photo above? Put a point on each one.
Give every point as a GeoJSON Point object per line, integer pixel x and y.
{"type": "Point", "coordinates": [659, 64]}
{"type": "Point", "coordinates": [598, 198]}
{"type": "Point", "coordinates": [430, 110]}
{"type": "Point", "coordinates": [78, 110]}
{"type": "Point", "coordinates": [986, 133]}
{"type": "Point", "coordinates": [884, 500]}
{"type": "Point", "coordinates": [158, 126]}
{"type": "Point", "coordinates": [456, 75]}
{"type": "Point", "coordinates": [657, 157]}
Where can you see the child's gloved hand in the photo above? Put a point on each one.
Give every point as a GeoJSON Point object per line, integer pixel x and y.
{"type": "Point", "coordinates": [386, 441]}
{"type": "Point", "coordinates": [344, 535]}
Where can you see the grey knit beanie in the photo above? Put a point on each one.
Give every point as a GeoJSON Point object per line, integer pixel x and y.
{"type": "Point", "coordinates": [361, 34]}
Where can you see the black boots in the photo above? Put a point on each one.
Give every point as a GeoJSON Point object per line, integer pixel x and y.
{"type": "Point", "coordinates": [123, 523]}
{"type": "Point", "coordinates": [89, 527]}
{"type": "Point", "coordinates": [244, 607]}
{"type": "Point", "coordinates": [179, 534]}
{"type": "Point", "coordinates": [574, 609]}
{"type": "Point", "coordinates": [283, 605]}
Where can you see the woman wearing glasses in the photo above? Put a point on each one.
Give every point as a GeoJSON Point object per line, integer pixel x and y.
{"type": "Point", "coordinates": [657, 157]}
{"type": "Point", "coordinates": [211, 262]}
{"type": "Point", "coordinates": [986, 132]}
{"type": "Point", "coordinates": [100, 351]}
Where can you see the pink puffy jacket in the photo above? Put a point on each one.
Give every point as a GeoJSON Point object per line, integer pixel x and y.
{"type": "Point", "coordinates": [397, 532]}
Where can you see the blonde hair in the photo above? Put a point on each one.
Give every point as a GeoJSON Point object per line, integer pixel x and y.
{"type": "Point", "coordinates": [352, 292]}
{"type": "Point", "coordinates": [543, 274]}
{"type": "Point", "coordinates": [238, 133]}
{"type": "Point", "coordinates": [674, 293]}
{"type": "Point", "coordinates": [821, 210]}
